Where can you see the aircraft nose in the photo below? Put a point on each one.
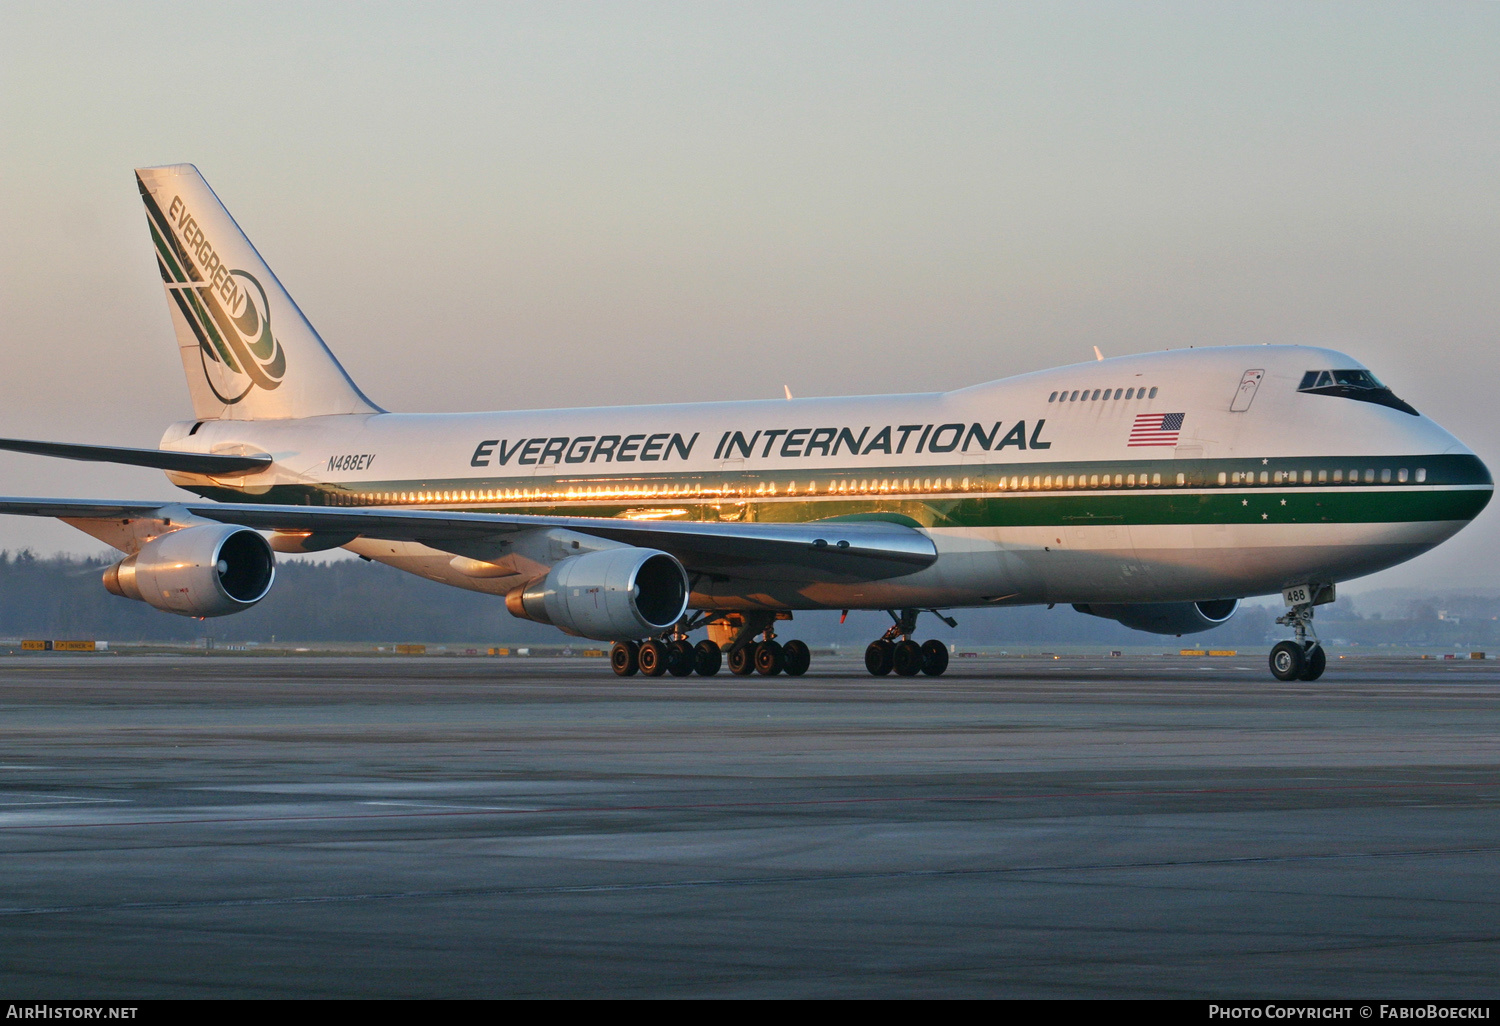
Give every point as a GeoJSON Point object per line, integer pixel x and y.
{"type": "Point", "coordinates": [1478, 475]}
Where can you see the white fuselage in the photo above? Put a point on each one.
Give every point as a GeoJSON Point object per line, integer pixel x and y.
{"type": "Point", "coordinates": [1029, 497]}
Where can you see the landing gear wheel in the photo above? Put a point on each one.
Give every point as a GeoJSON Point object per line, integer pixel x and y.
{"type": "Point", "coordinates": [878, 657]}
{"type": "Point", "coordinates": [934, 658]}
{"type": "Point", "coordinates": [653, 658]}
{"type": "Point", "coordinates": [742, 660]}
{"type": "Point", "coordinates": [707, 658]}
{"type": "Point", "coordinates": [1287, 661]}
{"type": "Point", "coordinates": [769, 659]}
{"type": "Point", "coordinates": [623, 658]}
{"type": "Point", "coordinates": [1317, 661]}
{"type": "Point", "coordinates": [906, 660]}
{"type": "Point", "coordinates": [798, 658]}
{"type": "Point", "coordinates": [680, 658]}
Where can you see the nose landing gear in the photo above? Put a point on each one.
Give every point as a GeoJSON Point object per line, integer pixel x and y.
{"type": "Point", "coordinates": [1304, 658]}
{"type": "Point", "coordinates": [906, 657]}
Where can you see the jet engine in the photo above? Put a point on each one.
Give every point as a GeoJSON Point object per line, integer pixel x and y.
{"type": "Point", "coordinates": [611, 595]}
{"type": "Point", "coordinates": [1165, 617]}
{"type": "Point", "coordinates": [209, 570]}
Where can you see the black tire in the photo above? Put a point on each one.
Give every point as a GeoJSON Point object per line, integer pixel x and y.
{"type": "Point", "coordinates": [906, 659]}
{"type": "Point", "coordinates": [878, 658]}
{"type": "Point", "coordinates": [798, 658]}
{"type": "Point", "coordinates": [769, 658]}
{"type": "Point", "coordinates": [680, 658]}
{"type": "Point", "coordinates": [707, 658]}
{"type": "Point", "coordinates": [934, 658]}
{"type": "Point", "coordinates": [653, 658]}
{"type": "Point", "coordinates": [1287, 661]}
{"type": "Point", "coordinates": [1317, 662]}
{"type": "Point", "coordinates": [623, 658]}
{"type": "Point", "coordinates": [742, 660]}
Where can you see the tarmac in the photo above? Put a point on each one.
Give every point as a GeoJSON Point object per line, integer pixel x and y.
{"type": "Point", "coordinates": [185, 826]}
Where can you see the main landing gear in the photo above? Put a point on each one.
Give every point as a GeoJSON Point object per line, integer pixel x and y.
{"type": "Point", "coordinates": [906, 657]}
{"type": "Point", "coordinates": [676, 655]}
{"type": "Point", "coordinates": [1304, 658]}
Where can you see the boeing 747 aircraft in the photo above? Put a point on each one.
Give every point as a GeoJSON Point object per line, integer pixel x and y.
{"type": "Point", "coordinates": [1155, 490]}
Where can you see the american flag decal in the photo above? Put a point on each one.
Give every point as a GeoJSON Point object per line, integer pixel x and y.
{"type": "Point", "coordinates": [1156, 429]}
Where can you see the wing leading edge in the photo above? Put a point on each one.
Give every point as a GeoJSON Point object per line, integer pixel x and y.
{"type": "Point", "coordinates": [161, 459]}
{"type": "Point", "coordinates": [830, 550]}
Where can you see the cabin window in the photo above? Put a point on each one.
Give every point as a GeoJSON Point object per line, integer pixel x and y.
{"type": "Point", "coordinates": [1385, 475]}
{"type": "Point", "coordinates": [1156, 480]}
{"type": "Point", "coordinates": [1322, 477]}
{"type": "Point", "coordinates": [1223, 478]}
{"type": "Point", "coordinates": [1421, 474]}
{"type": "Point", "coordinates": [1181, 480]}
{"type": "Point", "coordinates": [1074, 398]}
{"type": "Point", "coordinates": [1264, 477]}
{"type": "Point", "coordinates": [1052, 398]}
{"type": "Point", "coordinates": [1130, 393]}
{"type": "Point", "coordinates": [1152, 395]}
{"type": "Point", "coordinates": [1130, 480]}
{"type": "Point", "coordinates": [1401, 475]}
{"type": "Point", "coordinates": [1369, 475]}
{"type": "Point", "coordinates": [1094, 481]}
{"type": "Point", "coordinates": [1096, 393]}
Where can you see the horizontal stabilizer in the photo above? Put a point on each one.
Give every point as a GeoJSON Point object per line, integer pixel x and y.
{"type": "Point", "coordinates": [161, 459]}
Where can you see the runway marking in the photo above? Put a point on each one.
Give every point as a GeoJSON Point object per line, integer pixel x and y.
{"type": "Point", "coordinates": [753, 881]}
{"type": "Point", "coordinates": [472, 810]}
{"type": "Point", "coordinates": [57, 799]}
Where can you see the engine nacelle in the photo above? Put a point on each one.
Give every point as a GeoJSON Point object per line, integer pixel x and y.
{"type": "Point", "coordinates": [1165, 617]}
{"type": "Point", "coordinates": [611, 595]}
{"type": "Point", "coordinates": [209, 570]}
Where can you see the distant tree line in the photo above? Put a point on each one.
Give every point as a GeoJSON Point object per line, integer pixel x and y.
{"type": "Point", "coordinates": [359, 601]}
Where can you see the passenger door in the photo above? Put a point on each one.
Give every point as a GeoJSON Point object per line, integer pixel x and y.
{"type": "Point", "coordinates": [1246, 393]}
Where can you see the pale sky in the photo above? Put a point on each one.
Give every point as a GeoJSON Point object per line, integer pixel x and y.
{"type": "Point", "coordinates": [505, 206]}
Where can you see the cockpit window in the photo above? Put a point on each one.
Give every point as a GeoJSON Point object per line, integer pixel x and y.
{"type": "Point", "coordinates": [1352, 384]}
{"type": "Point", "coordinates": [1351, 378]}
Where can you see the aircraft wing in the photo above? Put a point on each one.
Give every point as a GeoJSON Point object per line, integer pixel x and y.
{"type": "Point", "coordinates": [161, 459]}
{"type": "Point", "coordinates": [830, 550]}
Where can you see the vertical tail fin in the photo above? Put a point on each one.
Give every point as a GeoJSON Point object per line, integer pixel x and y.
{"type": "Point", "coordinates": [248, 351]}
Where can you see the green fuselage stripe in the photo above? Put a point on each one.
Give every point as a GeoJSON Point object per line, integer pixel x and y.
{"type": "Point", "coordinates": [1453, 488]}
